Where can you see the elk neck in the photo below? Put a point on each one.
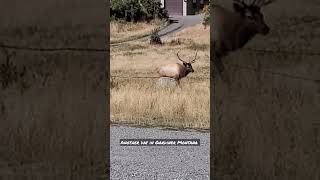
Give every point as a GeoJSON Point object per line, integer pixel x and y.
{"type": "Point", "coordinates": [184, 72]}
{"type": "Point", "coordinates": [246, 33]}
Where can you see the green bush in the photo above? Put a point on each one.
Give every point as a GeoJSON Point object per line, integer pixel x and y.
{"type": "Point", "coordinates": [153, 9]}
{"type": "Point", "coordinates": [137, 10]}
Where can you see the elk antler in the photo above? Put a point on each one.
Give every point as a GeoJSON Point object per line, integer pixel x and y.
{"type": "Point", "coordinates": [180, 58]}
{"type": "Point", "coordinates": [194, 59]}
{"type": "Point", "coordinates": [261, 3]}
{"type": "Point", "coordinates": [267, 2]}
{"type": "Point", "coordinates": [241, 2]}
{"type": "Point", "coordinates": [253, 3]}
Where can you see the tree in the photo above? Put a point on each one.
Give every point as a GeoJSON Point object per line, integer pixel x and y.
{"type": "Point", "coordinates": [135, 10]}
{"type": "Point", "coordinates": [206, 13]}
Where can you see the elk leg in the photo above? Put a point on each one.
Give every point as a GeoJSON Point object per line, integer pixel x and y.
{"type": "Point", "coordinates": [220, 68]}
{"type": "Point", "coordinates": [178, 82]}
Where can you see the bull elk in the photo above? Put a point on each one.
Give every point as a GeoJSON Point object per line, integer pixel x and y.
{"type": "Point", "coordinates": [177, 70]}
{"type": "Point", "coordinates": [234, 29]}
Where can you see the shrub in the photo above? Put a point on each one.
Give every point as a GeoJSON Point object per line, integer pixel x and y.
{"type": "Point", "coordinates": [128, 10]}
{"type": "Point", "coordinates": [206, 13]}
{"type": "Point", "coordinates": [153, 9]}
{"type": "Point", "coordinates": [155, 38]}
{"type": "Point", "coordinates": [175, 41]}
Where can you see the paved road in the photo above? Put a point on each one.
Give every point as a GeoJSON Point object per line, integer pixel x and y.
{"type": "Point", "coordinates": [181, 22]}
{"type": "Point", "coordinates": [158, 163]}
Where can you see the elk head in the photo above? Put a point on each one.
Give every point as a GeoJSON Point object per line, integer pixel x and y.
{"type": "Point", "coordinates": [188, 65]}
{"type": "Point", "coordinates": [233, 30]}
{"type": "Point", "coordinates": [251, 12]}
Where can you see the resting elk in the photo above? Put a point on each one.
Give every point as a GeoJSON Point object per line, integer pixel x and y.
{"type": "Point", "coordinates": [231, 30]}
{"type": "Point", "coordinates": [177, 70]}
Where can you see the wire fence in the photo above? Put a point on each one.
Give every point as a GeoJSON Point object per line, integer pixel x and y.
{"type": "Point", "coordinates": [275, 73]}
{"type": "Point", "coordinates": [284, 75]}
{"type": "Point", "coordinates": [135, 77]}
{"type": "Point", "coordinates": [298, 52]}
{"type": "Point", "coordinates": [305, 22]}
{"type": "Point", "coordinates": [261, 70]}
{"type": "Point", "coordinates": [150, 77]}
{"type": "Point", "coordinates": [25, 48]}
{"type": "Point", "coordinates": [256, 69]}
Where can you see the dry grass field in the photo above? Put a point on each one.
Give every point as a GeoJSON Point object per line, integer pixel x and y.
{"type": "Point", "coordinates": [48, 115]}
{"type": "Point", "coordinates": [52, 103]}
{"type": "Point", "coordinates": [138, 101]}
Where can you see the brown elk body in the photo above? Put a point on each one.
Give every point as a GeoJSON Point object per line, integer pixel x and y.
{"type": "Point", "coordinates": [177, 70]}
{"type": "Point", "coordinates": [232, 30]}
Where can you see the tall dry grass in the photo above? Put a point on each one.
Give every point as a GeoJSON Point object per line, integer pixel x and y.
{"type": "Point", "coordinates": [140, 102]}
{"type": "Point", "coordinates": [145, 104]}
{"type": "Point", "coordinates": [51, 113]}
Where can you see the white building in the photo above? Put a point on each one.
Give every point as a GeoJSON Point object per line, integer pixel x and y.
{"type": "Point", "coordinates": [183, 7]}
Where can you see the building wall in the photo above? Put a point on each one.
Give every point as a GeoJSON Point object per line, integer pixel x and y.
{"type": "Point", "coordinates": [190, 7]}
{"type": "Point", "coordinates": [174, 7]}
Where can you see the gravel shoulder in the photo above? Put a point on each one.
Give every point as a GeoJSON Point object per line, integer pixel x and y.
{"type": "Point", "coordinates": [158, 162]}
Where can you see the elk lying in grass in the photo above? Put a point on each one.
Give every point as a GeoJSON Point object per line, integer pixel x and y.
{"type": "Point", "coordinates": [177, 70]}
{"type": "Point", "coordinates": [233, 30]}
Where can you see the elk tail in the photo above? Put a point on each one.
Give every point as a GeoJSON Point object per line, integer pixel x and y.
{"type": "Point", "coordinates": [156, 70]}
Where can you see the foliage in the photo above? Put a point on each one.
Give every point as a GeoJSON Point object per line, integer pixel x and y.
{"type": "Point", "coordinates": [136, 10]}
{"type": "Point", "coordinates": [206, 13]}
{"type": "Point", "coordinates": [154, 10]}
